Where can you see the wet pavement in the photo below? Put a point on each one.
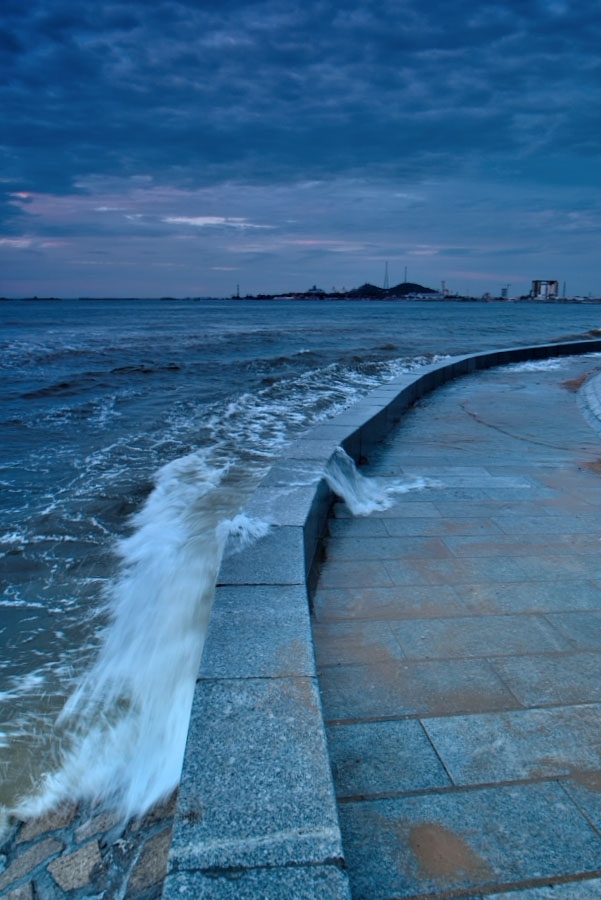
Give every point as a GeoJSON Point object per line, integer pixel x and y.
{"type": "Point", "coordinates": [458, 641]}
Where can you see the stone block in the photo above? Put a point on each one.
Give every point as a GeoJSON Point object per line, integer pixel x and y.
{"type": "Point", "coordinates": [450, 843]}
{"type": "Point", "coordinates": [386, 547]}
{"type": "Point", "coordinates": [584, 787]}
{"type": "Point", "coordinates": [382, 758]}
{"type": "Point", "coordinates": [309, 448]}
{"type": "Point", "coordinates": [256, 786]}
{"type": "Point", "coordinates": [152, 863]}
{"type": "Point", "coordinates": [531, 596]}
{"type": "Point", "coordinates": [29, 860]}
{"type": "Point", "coordinates": [353, 573]}
{"type": "Point", "coordinates": [287, 493]}
{"type": "Point", "coordinates": [589, 889]}
{"type": "Point", "coordinates": [454, 571]}
{"type": "Point", "coordinates": [75, 869]}
{"type": "Point", "coordinates": [258, 631]}
{"type": "Point", "coordinates": [582, 629]}
{"type": "Point", "coordinates": [338, 643]}
{"type": "Point", "coordinates": [539, 680]}
{"type": "Point", "coordinates": [50, 821]}
{"type": "Point", "coordinates": [325, 882]}
{"type": "Point", "coordinates": [96, 825]}
{"type": "Point", "coordinates": [277, 558]}
{"type": "Point", "coordinates": [518, 744]}
{"type": "Point", "coordinates": [474, 636]}
{"type": "Point", "coordinates": [406, 687]}
{"type": "Point", "coordinates": [341, 604]}
{"type": "Point", "coordinates": [362, 526]}
{"type": "Point", "coordinates": [24, 892]}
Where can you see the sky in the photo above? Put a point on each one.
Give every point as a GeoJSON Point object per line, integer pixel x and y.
{"type": "Point", "coordinates": [186, 148]}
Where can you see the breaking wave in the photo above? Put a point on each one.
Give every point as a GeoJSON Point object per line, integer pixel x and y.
{"type": "Point", "coordinates": [364, 495]}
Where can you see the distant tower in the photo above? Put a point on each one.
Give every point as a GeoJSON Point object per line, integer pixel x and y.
{"type": "Point", "coordinates": [237, 292]}
{"type": "Point", "coordinates": [386, 284]}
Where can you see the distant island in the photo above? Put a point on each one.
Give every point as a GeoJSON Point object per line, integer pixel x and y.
{"type": "Point", "coordinates": [542, 292]}
{"type": "Point", "coordinates": [365, 292]}
{"type": "Point", "coordinates": [410, 290]}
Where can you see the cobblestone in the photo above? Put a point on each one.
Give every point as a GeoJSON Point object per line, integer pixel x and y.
{"type": "Point", "coordinates": [80, 854]}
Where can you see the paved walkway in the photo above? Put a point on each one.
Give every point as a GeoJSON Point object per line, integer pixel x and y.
{"type": "Point", "coordinates": [458, 637]}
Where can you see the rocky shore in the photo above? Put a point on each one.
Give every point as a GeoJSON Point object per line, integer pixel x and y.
{"type": "Point", "coordinates": [74, 853]}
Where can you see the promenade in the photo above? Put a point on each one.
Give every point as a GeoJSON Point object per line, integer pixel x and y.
{"type": "Point", "coordinates": [458, 645]}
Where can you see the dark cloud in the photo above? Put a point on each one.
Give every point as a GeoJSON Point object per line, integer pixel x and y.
{"type": "Point", "coordinates": [269, 90]}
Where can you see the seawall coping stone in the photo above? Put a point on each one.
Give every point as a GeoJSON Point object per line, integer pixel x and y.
{"type": "Point", "coordinates": [256, 790]}
{"type": "Point", "coordinates": [259, 631]}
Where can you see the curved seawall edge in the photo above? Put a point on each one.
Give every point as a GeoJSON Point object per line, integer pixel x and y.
{"type": "Point", "coordinates": [256, 813]}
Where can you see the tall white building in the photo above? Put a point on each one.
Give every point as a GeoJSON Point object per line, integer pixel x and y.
{"type": "Point", "coordinates": [544, 290]}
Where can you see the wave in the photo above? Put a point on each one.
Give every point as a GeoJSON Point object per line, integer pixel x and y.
{"type": "Point", "coordinates": [364, 495]}
{"type": "Point", "coordinates": [124, 728]}
{"type": "Point", "coordinates": [122, 732]}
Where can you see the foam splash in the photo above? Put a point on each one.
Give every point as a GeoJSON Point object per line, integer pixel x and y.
{"type": "Point", "coordinates": [126, 723]}
{"type": "Point", "coordinates": [365, 495]}
{"type": "Point", "coordinates": [241, 531]}
{"type": "Point", "coordinates": [537, 365]}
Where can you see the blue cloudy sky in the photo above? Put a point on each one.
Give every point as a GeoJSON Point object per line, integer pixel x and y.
{"type": "Point", "coordinates": [181, 148]}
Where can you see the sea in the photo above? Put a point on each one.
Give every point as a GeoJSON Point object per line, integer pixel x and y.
{"type": "Point", "coordinates": [132, 433]}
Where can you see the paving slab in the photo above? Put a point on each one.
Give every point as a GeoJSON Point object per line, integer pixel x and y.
{"type": "Point", "coordinates": [339, 643]}
{"type": "Point", "coordinates": [477, 636]}
{"type": "Point", "coordinates": [589, 889]}
{"type": "Point", "coordinates": [554, 679]}
{"type": "Point", "coordinates": [372, 758]}
{"type": "Point", "coordinates": [542, 596]}
{"type": "Point", "coordinates": [338, 604]}
{"type": "Point", "coordinates": [582, 629]}
{"type": "Point", "coordinates": [412, 688]}
{"type": "Point", "coordinates": [434, 844]}
{"type": "Point", "coordinates": [517, 745]}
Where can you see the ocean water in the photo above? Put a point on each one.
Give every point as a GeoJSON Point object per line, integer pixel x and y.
{"type": "Point", "coordinates": [132, 432]}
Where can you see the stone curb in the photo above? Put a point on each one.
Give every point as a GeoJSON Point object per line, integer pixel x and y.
{"type": "Point", "coordinates": [256, 814]}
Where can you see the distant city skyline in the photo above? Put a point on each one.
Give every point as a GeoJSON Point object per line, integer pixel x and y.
{"type": "Point", "coordinates": [184, 149]}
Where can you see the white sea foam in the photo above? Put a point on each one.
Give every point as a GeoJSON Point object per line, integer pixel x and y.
{"type": "Point", "coordinates": [23, 685]}
{"type": "Point", "coordinates": [364, 495]}
{"type": "Point", "coordinates": [537, 365]}
{"type": "Point", "coordinates": [127, 721]}
{"type": "Point", "coordinates": [242, 530]}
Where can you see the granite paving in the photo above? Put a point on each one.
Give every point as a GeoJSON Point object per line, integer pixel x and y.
{"type": "Point", "coordinates": [458, 642]}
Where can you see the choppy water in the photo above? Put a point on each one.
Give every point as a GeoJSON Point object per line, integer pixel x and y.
{"type": "Point", "coordinates": [131, 434]}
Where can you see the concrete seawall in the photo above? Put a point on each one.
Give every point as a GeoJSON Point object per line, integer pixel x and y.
{"type": "Point", "coordinates": [256, 813]}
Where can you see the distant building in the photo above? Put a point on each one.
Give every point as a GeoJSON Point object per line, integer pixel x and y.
{"type": "Point", "coordinates": [544, 290]}
{"type": "Point", "coordinates": [315, 292]}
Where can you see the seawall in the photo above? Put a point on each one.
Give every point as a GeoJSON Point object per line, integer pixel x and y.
{"type": "Point", "coordinates": [256, 813]}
